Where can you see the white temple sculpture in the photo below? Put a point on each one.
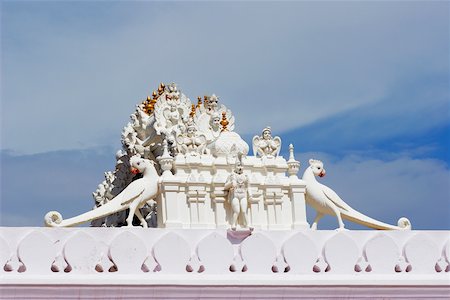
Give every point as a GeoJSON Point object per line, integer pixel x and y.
{"type": "Point", "coordinates": [239, 193]}
{"type": "Point", "coordinates": [196, 174]}
{"type": "Point", "coordinates": [266, 145]}
{"type": "Point", "coordinates": [326, 201]}
{"type": "Point", "coordinates": [133, 198]}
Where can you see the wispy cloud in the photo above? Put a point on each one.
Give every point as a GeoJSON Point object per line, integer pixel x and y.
{"type": "Point", "coordinates": [75, 70]}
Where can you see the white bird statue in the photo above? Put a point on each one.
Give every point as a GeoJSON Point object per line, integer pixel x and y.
{"type": "Point", "coordinates": [325, 201]}
{"type": "Point", "coordinates": [134, 196]}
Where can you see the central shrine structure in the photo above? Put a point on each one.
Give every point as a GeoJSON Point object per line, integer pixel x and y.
{"type": "Point", "coordinates": [198, 174]}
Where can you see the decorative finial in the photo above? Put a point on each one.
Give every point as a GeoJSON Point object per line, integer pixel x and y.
{"type": "Point", "coordinates": [205, 101]}
{"type": "Point", "coordinates": [224, 122]}
{"type": "Point", "coordinates": [154, 95]}
{"type": "Point", "coordinates": [293, 165]}
{"type": "Point", "coordinates": [199, 102]}
{"type": "Point", "coordinates": [192, 113]}
{"type": "Point", "coordinates": [148, 98]}
{"type": "Point", "coordinates": [161, 88]}
{"type": "Point", "coordinates": [291, 152]}
{"type": "Point", "coordinates": [166, 160]}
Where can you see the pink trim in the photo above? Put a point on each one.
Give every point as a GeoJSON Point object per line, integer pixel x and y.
{"type": "Point", "coordinates": [220, 292]}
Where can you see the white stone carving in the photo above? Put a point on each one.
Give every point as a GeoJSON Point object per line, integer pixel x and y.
{"type": "Point", "coordinates": [37, 252]}
{"type": "Point", "coordinates": [128, 252]}
{"type": "Point", "coordinates": [239, 191]}
{"type": "Point", "coordinates": [82, 253]}
{"type": "Point", "coordinates": [341, 253]}
{"type": "Point", "coordinates": [262, 253]}
{"type": "Point", "coordinates": [191, 141]}
{"type": "Point", "coordinates": [266, 145]}
{"type": "Point", "coordinates": [134, 197]}
{"type": "Point", "coordinates": [325, 201]}
{"type": "Point", "coordinates": [5, 254]}
{"type": "Point", "coordinates": [382, 254]}
{"type": "Point", "coordinates": [259, 254]}
{"type": "Point", "coordinates": [209, 115]}
{"type": "Point", "coordinates": [194, 148]}
{"type": "Point", "coordinates": [172, 253]}
{"type": "Point", "coordinates": [171, 114]}
{"type": "Point", "coordinates": [229, 144]}
{"type": "Point", "coordinates": [300, 253]}
{"type": "Point", "coordinates": [215, 253]}
{"type": "Point", "coordinates": [422, 253]}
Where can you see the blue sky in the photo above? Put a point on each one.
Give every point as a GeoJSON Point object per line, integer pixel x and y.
{"type": "Point", "coordinates": [363, 86]}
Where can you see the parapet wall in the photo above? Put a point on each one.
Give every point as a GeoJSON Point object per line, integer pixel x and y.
{"type": "Point", "coordinates": [138, 263]}
{"type": "Point", "coordinates": [161, 256]}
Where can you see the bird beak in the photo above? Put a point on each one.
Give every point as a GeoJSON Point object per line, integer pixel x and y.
{"type": "Point", "coordinates": [134, 171]}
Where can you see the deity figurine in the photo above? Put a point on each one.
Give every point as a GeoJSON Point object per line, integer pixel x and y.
{"type": "Point", "coordinates": [238, 187]}
{"type": "Point", "coordinates": [192, 142]}
{"type": "Point", "coordinates": [170, 116]}
{"type": "Point", "coordinates": [214, 127]}
{"type": "Point", "coordinates": [213, 104]}
{"type": "Point", "coordinates": [266, 145]}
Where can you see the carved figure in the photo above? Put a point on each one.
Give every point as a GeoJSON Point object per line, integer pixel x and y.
{"type": "Point", "coordinates": [171, 114]}
{"type": "Point", "coordinates": [208, 118]}
{"type": "Point", "coordinates": [238, 186]}
{"type": "Point", "coordinates": [212, 104]}
{"type": "Point", "coordinates": [266, 145]}
{"type": "Point", "coordinates": [214, 126]}
{"type": "Point", "coordinates": [325, 201]}
{"type": "Point", "coordinates": [140, 121]}
{"type": "Point", "coordinates": [192, 141]}
{"type": "Point", "coordinates": [134, 197]}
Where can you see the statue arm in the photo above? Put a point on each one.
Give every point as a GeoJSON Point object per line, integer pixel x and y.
{"type": "Point", "coordinates": [277, 141]}
{"type": "Point", "coordinates": [249, 191]}
{"type": "Point", "coordinates": [255, 145]}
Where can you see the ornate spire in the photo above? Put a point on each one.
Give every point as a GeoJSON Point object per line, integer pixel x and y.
{"type": "Point", "coordinates": [224, 122]}
{"type": "Point", "coordinates": [161, 88]}
{"type": "Point", "coordinates": [291, 152]}
{"type": "Point", "coordinates": [199, 102]}
{"type": "Point", "coordinates": [192, 113]}
{"type": "Point", "coordinates": [293, 165]}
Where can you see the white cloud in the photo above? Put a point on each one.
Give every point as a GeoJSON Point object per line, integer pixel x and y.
{"type": "Point", "coordinates": [71, 83]}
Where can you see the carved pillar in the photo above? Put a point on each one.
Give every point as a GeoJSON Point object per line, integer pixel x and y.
{"type": "Point", "coordinates": [219, 195]}
{"type": "Point", "coordinates": [297, 189]}
{"type": "Point", "coordinates": [170, 204]}
{"type": "Point", "coordinates": [196, 197]}
{"type": "Point", "coordinates": [219, 198]}
{"type": "Point", "coordinates": [256, 209]}
{"type": "Point", "coordinates": [297, 195]}
{"type": "Point", "coordinates": [273, 200]}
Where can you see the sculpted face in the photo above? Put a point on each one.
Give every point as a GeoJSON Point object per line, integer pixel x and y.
{"type": "Point", "coordinates": [317, 167]}
{"type": "Point", "coordinates": [267, 135]}
{"type": "Point", "coordinates": [213, 102]}
{"type": "Point", "coordinates": [190, 130]}
{"type": "Point", "coordinates": [215, 121]}
{"type": "Point", "coordinates": [239, 169]}
{"type": "Point", "coordinates": [139, 164]}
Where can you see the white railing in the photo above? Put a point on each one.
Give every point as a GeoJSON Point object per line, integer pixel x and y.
{"type": "Point", "coordinates": [219, 257]}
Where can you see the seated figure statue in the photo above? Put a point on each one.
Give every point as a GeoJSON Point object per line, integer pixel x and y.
{"type": "Point", "coordinates": [192, 142]}
{"type": "Point", "coordinates": [238, 186]}
{"type": "Point", "coordinates": [266, 145]}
